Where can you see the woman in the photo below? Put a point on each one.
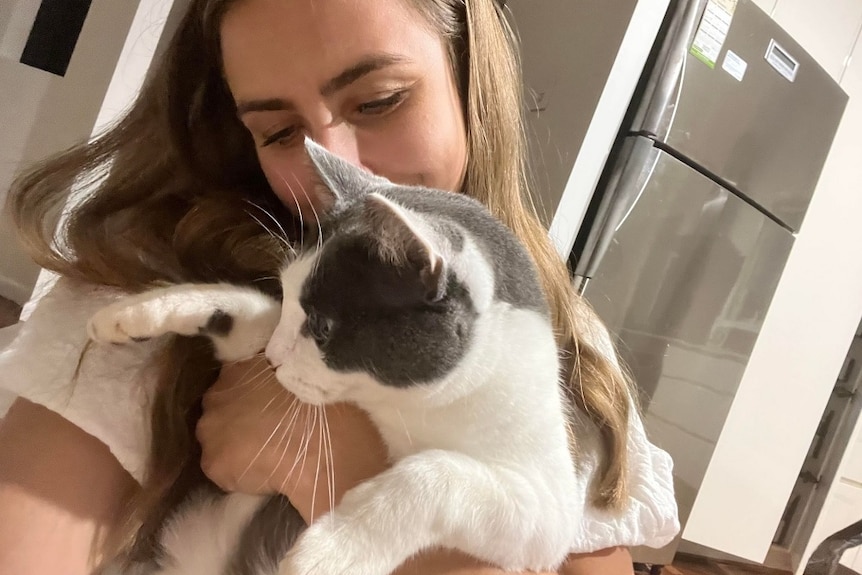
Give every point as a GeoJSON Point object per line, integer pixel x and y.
{"type": "Point", "coordinates": [419, 91]}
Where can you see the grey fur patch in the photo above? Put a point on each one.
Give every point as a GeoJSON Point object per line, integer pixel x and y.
{"type": "Point", "coordinates": [385, 324]}
{"type": "Point", "coordinates": [219, 323]}
{"type": "Point", "coordinates": [516, 279]}
{"type": "Point", "coordinates": [393, 315]}
{"type": "Point", "coordinates": [270, 534]}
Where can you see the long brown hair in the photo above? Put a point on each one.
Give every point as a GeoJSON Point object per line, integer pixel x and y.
{"type": "Point", "coordinates": [166, 196]}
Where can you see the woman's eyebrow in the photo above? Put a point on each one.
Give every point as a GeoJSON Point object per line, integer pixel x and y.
{"type": "Point", "coordinates": [362, 68]}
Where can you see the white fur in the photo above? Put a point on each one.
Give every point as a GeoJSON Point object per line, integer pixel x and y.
{"type": "Point", "coordinates": [185, 310]}
{"type": "Point", "coordinates": [202, 537]}
{"type": "Point", "coordinates": [481, 459]}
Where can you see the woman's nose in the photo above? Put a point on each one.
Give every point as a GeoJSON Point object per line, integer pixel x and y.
{"type": "Point", "coordinates": [340, 139]}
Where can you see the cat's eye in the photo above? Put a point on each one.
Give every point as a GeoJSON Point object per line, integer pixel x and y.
{"type": "Point", "coordinates": [318, 327]}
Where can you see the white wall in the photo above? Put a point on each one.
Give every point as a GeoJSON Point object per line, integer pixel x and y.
{"type": "Point", "coordinates": [151, 29]}
{"type": "Point", "coordinates": [810, 324]}
{"type": "Point", "coordinates": [567, 51]}
{"type": "Point", "coordinates": [41, 114]}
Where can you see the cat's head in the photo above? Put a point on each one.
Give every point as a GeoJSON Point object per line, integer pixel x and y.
{"type": "Point", "coordinates": [391, 298]}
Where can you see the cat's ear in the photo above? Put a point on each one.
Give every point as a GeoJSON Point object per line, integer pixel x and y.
{"type": "Point", "coordinates": [404, 238]}
{"type": "Point", "coordinates": [342, 182]}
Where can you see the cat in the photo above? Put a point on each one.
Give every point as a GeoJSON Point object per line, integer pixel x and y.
{"type": "Point", "coordinates": [426, 312]}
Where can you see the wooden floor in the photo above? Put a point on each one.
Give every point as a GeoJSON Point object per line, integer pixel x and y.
{"type": "Point", "coordinates": [9, 312]}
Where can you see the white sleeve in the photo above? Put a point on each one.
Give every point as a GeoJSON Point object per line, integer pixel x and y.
{"type": "Point", "coordinates": [650, 516]}
{"type": "Point", "coordinates": [110, 395]}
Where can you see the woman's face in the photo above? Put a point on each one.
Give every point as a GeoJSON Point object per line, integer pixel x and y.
{"type": "Point", "coordinates": [367, 79]}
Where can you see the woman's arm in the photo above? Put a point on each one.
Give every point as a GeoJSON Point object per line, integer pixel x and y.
{"type": "Point", "coordinates": [60, 491]}
{"type": "Point", "coordinates": [244, 420]}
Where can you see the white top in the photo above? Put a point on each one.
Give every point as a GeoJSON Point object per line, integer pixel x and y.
{"type": "Point", "coordinates": [110, 398]}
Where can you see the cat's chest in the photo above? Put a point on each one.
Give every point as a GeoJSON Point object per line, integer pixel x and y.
{"type": "Point", "coordinates": [408, 431]}
{"type": "Point", "coordinates": [462, 427]}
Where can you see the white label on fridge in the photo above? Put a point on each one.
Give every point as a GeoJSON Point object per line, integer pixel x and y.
{"type": "Point", "coordinates": [712, 32]}
{"type": "Point", "coordinates": [734, 65]}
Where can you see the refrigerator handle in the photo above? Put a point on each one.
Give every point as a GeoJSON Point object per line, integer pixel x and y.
{"type": "Point", "coordinates": [633, 170]}
{"type": "Point", "coordinates": [656, 112]}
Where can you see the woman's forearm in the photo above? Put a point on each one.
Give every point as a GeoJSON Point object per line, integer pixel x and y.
{"type": "Point", "coordinates": [60, 491]}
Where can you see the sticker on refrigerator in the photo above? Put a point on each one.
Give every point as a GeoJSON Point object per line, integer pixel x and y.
{"type": "Point", "coordinates": [734, 65]}
{"type": "Point", "coordinates": [712, 32]}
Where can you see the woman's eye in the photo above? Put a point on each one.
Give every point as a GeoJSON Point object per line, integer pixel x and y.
{"type": "Point", "coordinates": [382, 105]}
{"type": "Point", "coordinates": [282, 137]}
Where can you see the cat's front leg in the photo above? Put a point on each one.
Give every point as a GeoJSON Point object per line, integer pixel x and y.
{"type": "Point", "coordinates": [238, 320]}
{"type": "Point", "coordinates": [436, 499]}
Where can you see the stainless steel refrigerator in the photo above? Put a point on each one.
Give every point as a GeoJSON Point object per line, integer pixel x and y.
{"type": "Point", "coordinates": [688, 233]}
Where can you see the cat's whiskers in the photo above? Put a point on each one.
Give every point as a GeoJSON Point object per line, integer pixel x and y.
{"type": "Point", "coordinates": [283, 237]}
{"type": "Point", "coordinates": [303, 450]}
{"type": "Point", "coordinates": [265, 443]}
{"type": "Point", "coordinates": [282, 241]}
{"type": "Point", "coordinates": [318, 409]}
{"type": "Point", "coordinates": [256, 381]}
{"type": "Point", "coordinates": [316, 220]}
{"type": "Point", "coordinates": [298, 212]}
{"type": "Point", "coordinates": [310, 426]}
{"type": "Point", "coordinates": [330, 461]}
{"type": "Point", "coordinates": [294, 409]}
{"type": "Point", "coordinates": [404, 424]}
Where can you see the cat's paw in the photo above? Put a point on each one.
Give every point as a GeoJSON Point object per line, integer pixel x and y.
{"type": "Point", "coordinates": [327, 548]}
{"type": "Point", "coordinates": [124, 322]}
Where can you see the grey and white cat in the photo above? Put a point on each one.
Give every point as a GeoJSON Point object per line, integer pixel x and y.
{"type": "Point", "coordinates": [427, 313]}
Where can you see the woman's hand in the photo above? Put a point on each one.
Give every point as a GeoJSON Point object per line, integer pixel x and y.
{"type": "Point", "coordinates": [258, 438]}
{"type": "Point", "coordinates": [252, 433]}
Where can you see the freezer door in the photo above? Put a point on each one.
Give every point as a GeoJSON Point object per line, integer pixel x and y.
{"type": "Point", "coordinates": [761, 118]}
{"type": "Point", "coordinates": [683, 280]}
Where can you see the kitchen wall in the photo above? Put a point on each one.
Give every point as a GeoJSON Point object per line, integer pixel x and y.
{"type": "Point", "coordinates": [42, 114]}
{"type": "Point", "coordinates": [560, 104]}
{"type": "Point", "coordinates": [807, 331]}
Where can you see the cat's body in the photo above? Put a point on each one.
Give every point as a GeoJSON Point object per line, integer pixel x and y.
{"type": "Point", "coordinates": [427, 313]}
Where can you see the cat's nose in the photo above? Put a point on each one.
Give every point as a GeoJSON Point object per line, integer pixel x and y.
{"type": "Point", "coordinates": [273, 356]}
{"type": "Point", "coordinates": [280, 346]}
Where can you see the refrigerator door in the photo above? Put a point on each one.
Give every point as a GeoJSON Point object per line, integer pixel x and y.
{"type": "Point", "coordinates": [761, 118]}
{"type": "Point", "coordinates": [682, 271]}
